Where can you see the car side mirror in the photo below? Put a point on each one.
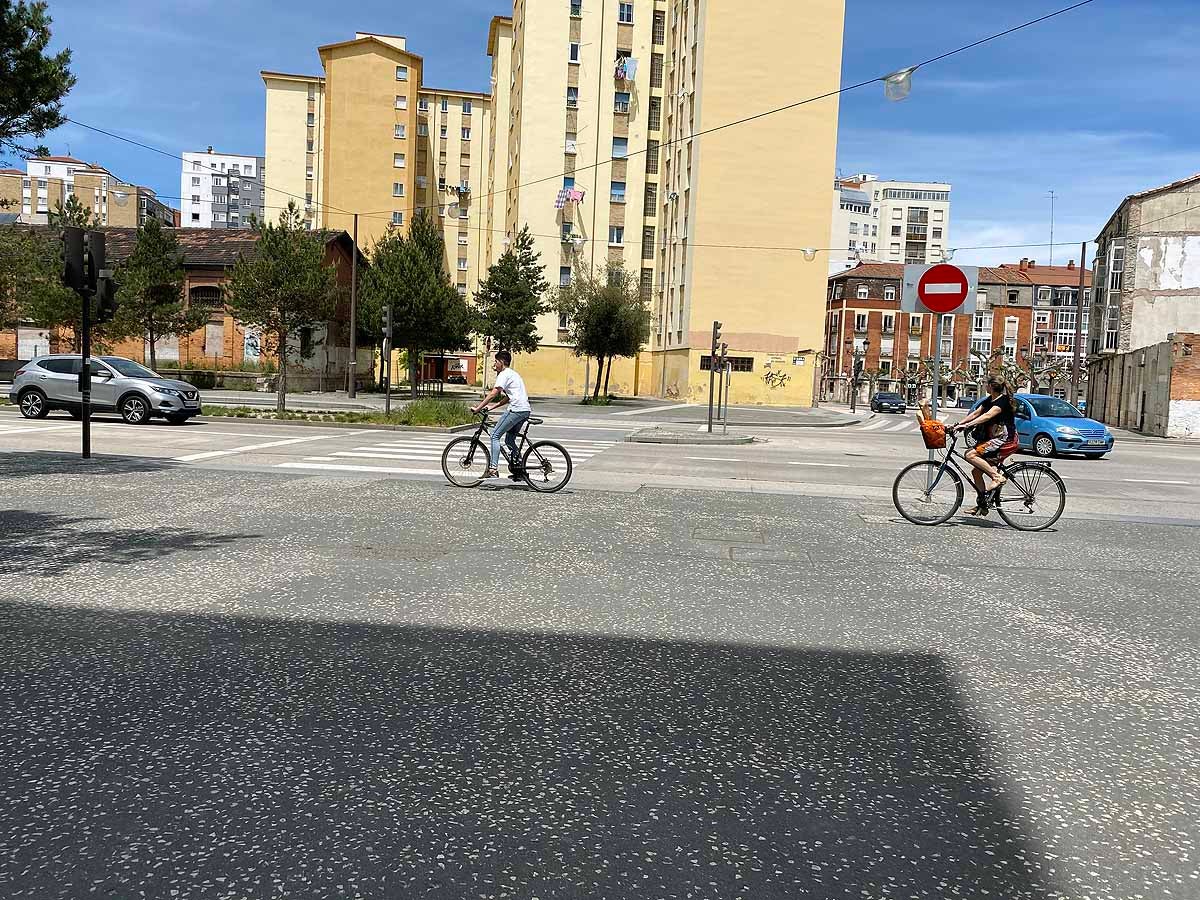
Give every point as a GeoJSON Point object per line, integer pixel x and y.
{"type": "Point", "coordinates": [104, 373]}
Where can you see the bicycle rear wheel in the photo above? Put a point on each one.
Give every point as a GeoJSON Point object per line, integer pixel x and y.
{"type": "Point", "coordinates": [1032, 498]}
{"type": "Point", "coordinates": [923, 502]}
{"type": "Point", "coordinates": [465, 461]}
{"type": "Point", "coordinates": [547, 466]}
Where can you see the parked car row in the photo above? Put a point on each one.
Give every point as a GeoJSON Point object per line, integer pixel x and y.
{"type": "Point", "coordinates": [119, 385]}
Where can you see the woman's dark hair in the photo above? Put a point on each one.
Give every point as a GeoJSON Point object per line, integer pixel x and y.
{"type": "Point", "coordinates": [505, 357]}
{"type": "Point", "coordinates": [997, 382]}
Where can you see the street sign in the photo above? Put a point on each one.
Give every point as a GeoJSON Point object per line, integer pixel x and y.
{"type": "Point", "coordinates": [940, 288]}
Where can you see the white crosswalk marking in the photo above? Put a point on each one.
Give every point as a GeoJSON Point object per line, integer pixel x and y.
{"type": "Point", "coordinates": [418, 455]}
{"type": "Point", "coordinates": [903, 426]}
{"type": "Point", "coordinates": [873, 426]}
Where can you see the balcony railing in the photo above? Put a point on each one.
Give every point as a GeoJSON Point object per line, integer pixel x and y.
{"type": "Point", "coordinates": [621, 107]}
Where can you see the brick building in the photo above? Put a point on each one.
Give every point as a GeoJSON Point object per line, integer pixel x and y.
{"type": "Point", "coordinates": [1023, 309]}
{"type": "Point", "coordinates": [223, 342]}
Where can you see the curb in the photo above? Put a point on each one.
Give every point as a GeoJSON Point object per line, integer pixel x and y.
{"type": "Point", "coordinates": [692, 440]}
{"type": "Point", "coordinates": [771, 424]}
{"type": "Point", "coordinates": [452, 429]}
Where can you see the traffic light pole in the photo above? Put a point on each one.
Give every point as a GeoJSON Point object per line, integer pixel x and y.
{"type": "Point", "coordinates": [353, 365]}
{"type": "Point", "coordinates": [85, 374]}
{"type": "Point", "coordinates": [712, 371]}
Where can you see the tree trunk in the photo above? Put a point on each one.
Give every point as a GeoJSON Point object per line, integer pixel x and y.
{"type": "Point", "coordinates": [599, 369]}
{"type": "Point", "coordinates": [153, 356]}
{"type": "Point", "coordinates": [607, 372]}
{"type": "Point", "coordinates": [412, 372]}
{"type": "Point", "coordinates": [281, 382]}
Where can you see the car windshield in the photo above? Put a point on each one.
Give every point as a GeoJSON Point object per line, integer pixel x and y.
{"type": "Point", "coordinates": [128, 367]}
{"type": "Point", "coordinates": [887, 396]}
{"type": "Point", "coordinates": [1053, 408]}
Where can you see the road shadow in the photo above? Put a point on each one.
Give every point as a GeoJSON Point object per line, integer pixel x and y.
{"type": "Point", "coordinates": [232, 757]}
{"type": "Point", "coordinates": [34, 463]}
{"type": "Point", "coordinates": [48, 544]}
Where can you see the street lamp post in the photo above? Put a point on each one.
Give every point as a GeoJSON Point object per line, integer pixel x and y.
{"type": "Point", "coordinates": [856, 367]}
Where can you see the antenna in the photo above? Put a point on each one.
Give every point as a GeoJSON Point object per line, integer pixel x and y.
{"type": "Point", "coordinates": [1052, 228]}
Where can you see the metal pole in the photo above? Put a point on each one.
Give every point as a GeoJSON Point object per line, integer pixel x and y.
{"type": "Point", "coordinates": [1079, 308]}
{"type": "Point", "coordinates": [937, 366]}
{"type": "Point", "coordinates": [728, 380]}
{"type": "Point", "coordinates": [712, 371]}
{"type": "Point", "coordinates": [85, 372]}
{"type": "Point", "coordinates": [387, 375]}
{"type": "Point", "coordinates": [353, 366]}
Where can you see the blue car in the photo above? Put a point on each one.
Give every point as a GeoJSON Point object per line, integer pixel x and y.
{"type": "Point", "coordinates": [1048, 426]}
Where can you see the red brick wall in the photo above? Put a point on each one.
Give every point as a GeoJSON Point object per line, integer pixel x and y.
{"type": "Point", "coordinates": [1185, 370]}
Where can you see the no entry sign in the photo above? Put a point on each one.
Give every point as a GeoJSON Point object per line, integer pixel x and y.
{"type": "Point", "coordinates": [941, 288]}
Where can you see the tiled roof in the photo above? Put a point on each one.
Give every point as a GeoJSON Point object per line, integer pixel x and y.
{"type": "Point", "coordinates": [202, 247]}
{"type": "Point", "coordinates": [872, 270]}
{"type": "Point", "coordinates": [1166, 187]}
{"type": "Point", "coordinates": [58, 159]}
{"type": "Point", "coordinates": [12, 172]}
{"type": "Point", "coordinates": [1049, 275]}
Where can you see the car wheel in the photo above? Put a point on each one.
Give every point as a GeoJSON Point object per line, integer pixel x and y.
{"type": "Point", "coordinates": [177, 420]}
{"type": "Point", "coordinates": [33, 404]}
{"type": "Point", "coordinates": [1043, 446]}
{"type": "Point", "coordinates": [134, 409]}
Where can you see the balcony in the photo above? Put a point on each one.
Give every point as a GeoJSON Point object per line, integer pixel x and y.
{"type": "Point", "coordinates": [621, 107]}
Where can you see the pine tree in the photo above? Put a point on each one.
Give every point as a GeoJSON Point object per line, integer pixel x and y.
{"type": "Point", "coordinates": [510, 298]}
{"type": "Point", "coordinates": [33, 84]}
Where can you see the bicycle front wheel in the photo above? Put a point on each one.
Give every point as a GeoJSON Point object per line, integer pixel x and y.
{"type": "Point", "coordinates": [925, 499]}
{"type": "Point", "coordinates": [1032, 498]}
{"type": "Point", "coordinates": [547, 466]}
{"type": "Point", "coordinates": [465, 462]}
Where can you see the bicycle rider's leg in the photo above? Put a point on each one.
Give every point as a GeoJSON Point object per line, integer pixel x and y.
{"type": "Point", "coordinates": [510, 436]}
{"type": "Point", "coordinates": [506, 422]}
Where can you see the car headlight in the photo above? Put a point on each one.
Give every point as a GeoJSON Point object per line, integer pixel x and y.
{"type": "Point", "coordinates": [1067, 430]}
{"type": "Point", "coordinates": [170, 391]}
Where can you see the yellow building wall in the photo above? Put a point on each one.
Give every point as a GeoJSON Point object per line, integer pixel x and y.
{"type": "Point", "coordinates": [286, 145]}
{"type": "Point", "coordinates": [360, 115]}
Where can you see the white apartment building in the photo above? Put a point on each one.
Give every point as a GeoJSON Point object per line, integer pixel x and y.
{"type": "Point", "coordinates": [908, 221]}
{"type": "Point", "coordinates": [51, 180]}
{"type": "Point", "coordinates": [220, 190]}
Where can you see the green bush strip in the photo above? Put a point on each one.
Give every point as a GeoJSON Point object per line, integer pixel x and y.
{"type": "Point", "coordinates": [427, 412]}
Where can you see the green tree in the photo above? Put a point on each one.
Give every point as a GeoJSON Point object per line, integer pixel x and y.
{"type": "Point", "coordinates": [510, 298]}
{"type": "Point", "coordinates": [32, 83]}
{"type": "Point", "coordinates": [283, 287]}
{"type": "Point", "coordinates": [150, 300]}
{"type": "Point", "coordinates": [606, 317]}
{"type": "Point", "coordinates": [31, 279]}
{"type": "Point", "coordinates": [408, 273]}
{"type": "Point", "coordinates": [72, 213]}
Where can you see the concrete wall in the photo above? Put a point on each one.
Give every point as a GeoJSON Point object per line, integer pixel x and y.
{"type": "Point", "coordinates": [1155, 389]}
{"type": "Point", "coordinates": [1166, 294]}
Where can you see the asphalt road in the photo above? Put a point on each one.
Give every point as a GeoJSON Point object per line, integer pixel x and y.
{"type": "Point", "coordinates": [227, 679]}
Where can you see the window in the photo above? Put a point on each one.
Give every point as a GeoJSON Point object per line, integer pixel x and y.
{"type": "Point", "coordinates": [736, 363]}
{"type": "Point", "coordinates": [466, 134]}
{"type": "Point", "coordinates": [889, 321]}
{"type": "Point", "coordinates": [1043, 293]}
{"type": "Point", "coordinates": [195, 198]}
{"type": "Point", "coordinates": [463, 212]}
{"type": "Point", "coordinates": [862, 294]}
{"type": "Point", "coordinates": [572, 97]}
{"type": "Point", "coordinates": [1116, 267]}
{"type": "Point", "coordinates": [654, 117]}
{"type": "Point", "coordinates": [574, 55]}
{"type": "Point", "coordinates": [564, 321]}
{"type": "Point", "coordinates": [445, 105]}
{"type": "Point", "coordinates": [400, 131]}
{"type": "Point", "coordinates": [625, 13]}
{"type": "Point", "coordinates": [397, 218]}
{"type": "Point", "coordinates": [889, 293]}
{"type": "Point", "coordinates": [568, 182]}
{"type": "Point", "coordinates": [854, 228]}
{"type": "Point", "coordinates": [937, 234]}
{"type": "Point", "coordinates": [195, 217]}
{"type": "Point", "coordinates": [860, 319]}
{"type": "Point", "coordinates": [983, 323]}
{"type": "Point", "coordinates": [195, 182]}
{"type": "Point", "coordinates": [651, 157]}
{"type": "Point", "coordinates": [423, 105]}
{"type": "Point", "coordinates": [658, 33]}
{"type": "Point", "coordinates": [463, 238]}
{"type": "Point", "coordinates": [937, 215]}
{"type": "Point", "coordinates": [423, 129]}
{"type": "Point", "coordinates": [647, 284]}
{"type": "Point", "coordinates": [648, 242]}
{"type": "Point", "coordinates": [897, 214]}
{"type": "Point", "coordinates": [196, 166]}
{"type": "Point", "coordinates": [576, 8]}
{"type": "Point", "coordinates": [445, 132]}
{"type": "Point", "coordinates": [621, 102]}
{"type": "Point", "coordinates": [566, 232]}
{"type": "Point", "coordinates": [308, 173]}
{"type": "Point", "coordinates": [312, 92]}
{"type": "Point", "coordinates": [466, 107]}
{"type": "Point", "coordinates": [564, 276]}
{"type": "Point", "coordinates": [616, 235]}
{"type": "Point", "coordinates": [397, 188]}
{"type": "Point", "coordinates": [462, 264]}
{"type": "Point", "coordinates": [650, 205]}
{"type": "Point", "coordinates": [312, 119]}
{"type": "Point", "coordinates": [441, 182]}
{"type": "Point", "coordinates": [401, 101]}
{"type": "Point", "coordinates": [656, 70]}
{"type": "Point", "coordinates": [570, 143]}
{"type": "Point", "coordinates": [915, 323]}
{"type": "Point", "coordinates": [398, 160]}
{"type": "Point", "coordinates": [402, 73]}
{"type": "Point", "coordinates": [620, 147]}
{"type": "Point", "coordinates": [617, 192]}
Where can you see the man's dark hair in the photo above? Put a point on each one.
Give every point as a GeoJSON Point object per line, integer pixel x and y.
{"type": "Point", "coordinates": [505, 357]}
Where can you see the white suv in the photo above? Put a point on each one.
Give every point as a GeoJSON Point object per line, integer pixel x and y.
{"type": "Point", "coordinates": [120, 385]}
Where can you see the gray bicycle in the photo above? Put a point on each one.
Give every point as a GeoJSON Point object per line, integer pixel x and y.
{"type": "Point", "coordinates": [930, 492]}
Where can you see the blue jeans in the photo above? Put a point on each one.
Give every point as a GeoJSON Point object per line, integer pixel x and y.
{"type": "Point", "coordinates": [507, 427]}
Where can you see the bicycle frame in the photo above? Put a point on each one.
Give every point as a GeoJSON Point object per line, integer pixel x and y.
{"type": "Point", "coordinates": [522, 440]}
{"type": "Point", "coordinates": [993, 497]}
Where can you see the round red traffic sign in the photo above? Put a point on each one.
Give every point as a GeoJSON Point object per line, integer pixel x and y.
{"type": "Point", "coordinates": [943, 288]}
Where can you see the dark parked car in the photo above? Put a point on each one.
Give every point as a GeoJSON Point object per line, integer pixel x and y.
{"type": "Point", "coordinates": [456, 379]}
{"type": "Point", "coordinates": [885, 401]}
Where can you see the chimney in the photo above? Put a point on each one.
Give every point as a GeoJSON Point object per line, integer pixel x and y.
{"type": "Point", "coordinates": [1024, 262]}
{"type": "Point", "coordinates": [210, 148]}
{"type": "Point", "coordinates": [1071, 264]}
{"type": "Point", "coordinates": [1032, 263]}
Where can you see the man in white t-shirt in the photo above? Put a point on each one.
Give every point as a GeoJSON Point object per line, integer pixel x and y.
{"type": "Point", "coordinates": [510, 390]}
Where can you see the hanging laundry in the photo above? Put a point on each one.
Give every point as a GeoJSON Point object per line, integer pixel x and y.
{"type": "Point", "coordinates": [562, 198]}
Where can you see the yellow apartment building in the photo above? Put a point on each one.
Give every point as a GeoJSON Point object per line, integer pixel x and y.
{"type": "Point", "coordinates": [294, 140]}
{"type": "Point", "coordinates": [586, 137]}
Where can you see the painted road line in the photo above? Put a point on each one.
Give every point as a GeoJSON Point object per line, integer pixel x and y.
{"type": "Point", "coordinates": [903, 426]}
{"type": "Point", "coordinates": [873, 426]}
{"type": "Point", "coordinates": [378, 470]}
{"type": "Point", "coordinates": [320, 459]}
{"type": "Point", "coordinates": [37, 428]}
{"type": "Point", "coordinates": [213, 454]}
{"type": "Point", "coordinates": [1155, 481]}
{"type": "Point", "coordinates": [717, 458]}
{"type": "Point", "coordinates": [822, 465]}
{"type": "Point", "coordinates": [422, 455]}
{"type": "Point", "coordinates": [642, 412]}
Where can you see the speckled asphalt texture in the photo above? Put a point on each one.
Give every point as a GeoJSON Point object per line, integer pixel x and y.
{"type": "Point", "coordinates": [221, 684]}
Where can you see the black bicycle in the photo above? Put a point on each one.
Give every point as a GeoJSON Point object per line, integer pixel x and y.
{"type": "Point", "coordinates": [544, 465]}
{"type": "Point", "coordinates": [930, 491]}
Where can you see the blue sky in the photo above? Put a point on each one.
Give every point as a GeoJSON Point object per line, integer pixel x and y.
{"type": "Point", "coordinates": [1094, 105]}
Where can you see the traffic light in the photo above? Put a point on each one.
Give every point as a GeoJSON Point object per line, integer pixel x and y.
{"type": "Point", "coordinates": [106, 297]}
{"type": "Point", "coordinates": [387, 322]}
{"type": "Point", "coordinates": [73, 242]}
{"type": "Point", "coordinates": [94, 256]}
{"type": "Point", "coordinates": [716, 337]}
